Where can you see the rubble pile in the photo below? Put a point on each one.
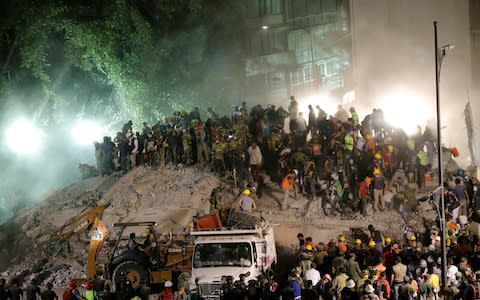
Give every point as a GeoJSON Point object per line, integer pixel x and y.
{"type": "Point", "coordinates": [170, 196]}
{"type": "Point", "coordinates": [137, 196]}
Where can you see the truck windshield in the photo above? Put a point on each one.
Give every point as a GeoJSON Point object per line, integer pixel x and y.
{"type": "Point", "coordinates": [222, 255]}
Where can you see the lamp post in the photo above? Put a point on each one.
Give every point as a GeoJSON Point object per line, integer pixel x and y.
{"type": "Point", "coordinates": [439, 54]}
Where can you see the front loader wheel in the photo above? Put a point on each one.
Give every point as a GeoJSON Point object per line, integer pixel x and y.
{"type": "Point", "coordinates": [132, 271]}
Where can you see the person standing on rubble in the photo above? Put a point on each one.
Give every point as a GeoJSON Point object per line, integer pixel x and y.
{"type": "Point", "coordinates": [288, 184]}
{"type": "Point", "coordinates": [216, 199]}
{"type": "Point", "coordinates": [256, 160]}
{"type": "Point", "coordinates": [247, 204]}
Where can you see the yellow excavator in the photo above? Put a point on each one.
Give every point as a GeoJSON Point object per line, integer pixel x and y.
{"type": "Point", "coordinates": [88, 220]}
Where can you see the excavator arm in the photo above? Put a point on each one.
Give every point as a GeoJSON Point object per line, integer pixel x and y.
{"type": "Point", "coordinates": [79, 224]}
{"type": "Point", "coordinates": [98, 235]}
{"type": "Point", "coordinates": [87, 220]}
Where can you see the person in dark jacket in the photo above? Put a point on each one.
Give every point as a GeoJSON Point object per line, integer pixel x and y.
{"type": "Point", "coordinates": [48, 294]}
{"type": "Point", "coordinates": [32, 290]}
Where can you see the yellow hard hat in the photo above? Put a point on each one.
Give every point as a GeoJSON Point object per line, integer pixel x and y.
{"type": "Point", "coordinates": [390, 148]}
{"type": "Point", "coordinates": [413, 238]}
{"type": "Point", "coordinates": [358, 241]}
{"type": "Point", "coordinates": [341, 238]}
{"type": "Point", "coordinates": [376, 171]}
{"type": "Point", "coordinates": [378, 155]}
{"type": "Point", "coordinates": [372, 243]}
{"type": "Point", "coordinates": [308, 247]}
{"type": "Point", "coordinates": [388, 239]}
{"type": "Point", "coordinates": [246, 192]}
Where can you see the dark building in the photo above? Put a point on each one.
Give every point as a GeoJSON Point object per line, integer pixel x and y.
{"type": "Point", "coordinates": [297, 47]}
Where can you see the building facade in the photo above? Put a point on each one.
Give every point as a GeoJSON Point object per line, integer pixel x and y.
{"type": "Point", "coordinates": [297, 47]}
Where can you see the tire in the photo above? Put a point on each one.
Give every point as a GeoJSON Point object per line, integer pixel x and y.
{"type": "Point", "coordinates": [134, 271]}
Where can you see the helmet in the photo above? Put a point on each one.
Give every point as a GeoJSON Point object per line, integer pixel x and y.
{"type": "Point", "coordinates": [423, 263]}
{"type": "Point", "coordinates": [295, 171]}
{"type": "Point", "coordinates": [168, 284]}
{"type": "Point", "coordinates": [246, 192]}
{"type": "Point", "coordinates": [388, 239]}
{"type": "Point", "coordinates": [378, 155]}
{"type": "Point", "coordinates": [390, 148]}
{"type": "Point", "coordinates": [413, 238]}
{"type": "Point", "coordinates": [308, 247]}
{"type": "Point", "coordinates": [376, 171]}
{"type": "Point", "coordinates": [372, 243]}
{"type": "Point", "coordinates": [341, 238]}
{"type": "Point", "coordinates": [358, 242]}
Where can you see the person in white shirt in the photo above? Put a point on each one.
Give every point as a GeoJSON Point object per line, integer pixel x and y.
{"type": "Point", "coordinates": [313, 275]}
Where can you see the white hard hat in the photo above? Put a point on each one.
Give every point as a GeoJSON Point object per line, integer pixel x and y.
{"type": "Point", "coordinates": [295, 171]}
{"type": "Point", "coordinates": [168, 284]}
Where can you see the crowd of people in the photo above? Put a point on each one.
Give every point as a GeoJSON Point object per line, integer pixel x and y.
{"type": "Point", "coordinates": [346, 165]}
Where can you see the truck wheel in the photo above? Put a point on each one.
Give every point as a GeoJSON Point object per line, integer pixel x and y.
{"type": "Point", "coordinates": [132, 271]}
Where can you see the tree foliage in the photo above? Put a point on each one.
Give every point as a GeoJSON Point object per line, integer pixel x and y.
{"type": "Point", "coordinates": [123, 58]}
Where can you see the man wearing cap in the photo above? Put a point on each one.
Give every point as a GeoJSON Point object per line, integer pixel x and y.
{"type": "Point", "coordinates": [167, 293]}
{"type": "Point", "coordinates": [370, 293]}
{"type": "Point", "coordinates": [247, 204]}
{"type": "Point", "coordinates": [324, 287]}
{"type": "Point", "coordinates": [379, 184]}
{"type": "Point", "coordinates": [352, 267]}
{"type": "Point", "coordinates": [349, 292]}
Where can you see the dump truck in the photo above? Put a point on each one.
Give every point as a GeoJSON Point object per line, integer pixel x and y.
{"type": "Point", "coordinates": [245, 245]}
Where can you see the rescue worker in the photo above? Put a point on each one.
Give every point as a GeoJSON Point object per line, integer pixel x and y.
{"type": "Point", "coordinates": [150, 148]}
{"type": "Point", "coordinates": [201, 139]}
{"type": "Point", "coordinates": [89, 293]}
{"type": "Point", "coordinates": [288, 184]}
{"type": "Point", "coordinates": [246, 203]}
{"type": "Point", "coordinates": [216, 199]}
{"type": "Point", "coordinates": [363, 194]}
{"type": "Point", "coordinates": [218, 150]}
{"type": "Point", "coordinates": [379, 184]}
{"type": "Point", "coordinates": [187, 147]}
{"type": "Point", "coordinates": [256, 160]}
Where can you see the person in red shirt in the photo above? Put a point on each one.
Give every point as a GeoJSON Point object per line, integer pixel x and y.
{"type": "Point", "coordinates": [363, 194]}
{"type": "Point", "coordinates": [167, 293]}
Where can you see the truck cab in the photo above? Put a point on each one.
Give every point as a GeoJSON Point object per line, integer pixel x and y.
{"type": "Point", "coordinates": [248, 250]}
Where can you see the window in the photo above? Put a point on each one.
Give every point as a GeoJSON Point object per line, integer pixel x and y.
{"type": "Point", "coordinates": [300, 42]}
{"type": "Point", "coordinates": [269, 7]}
{"type": "Point", "coordinates": [276, 80]}
{"type": "Point", "coordinates": [222, 254]}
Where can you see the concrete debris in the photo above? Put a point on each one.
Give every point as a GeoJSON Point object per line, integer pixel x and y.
{"type": "Point", "coordinates": [168, 196]}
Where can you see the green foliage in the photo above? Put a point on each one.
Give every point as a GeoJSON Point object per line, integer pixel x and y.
{"type": "Point", "coordinates": [125, 59]}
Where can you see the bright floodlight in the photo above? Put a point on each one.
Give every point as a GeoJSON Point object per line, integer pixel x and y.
{"type": "Point", "coordinates": [24, 138]}
{"type": "Point", "coordinates": [265, 27]}
{"type": "Point", "coordinates": [405, 110]}
{"type": "Point", "coordinates": [86, 132]}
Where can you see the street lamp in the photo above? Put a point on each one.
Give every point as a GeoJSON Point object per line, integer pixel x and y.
{"type": "Point", "coordinates": [439, 55]}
